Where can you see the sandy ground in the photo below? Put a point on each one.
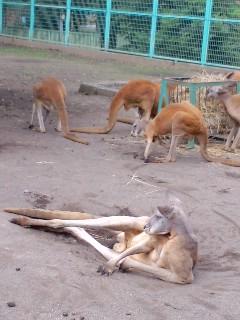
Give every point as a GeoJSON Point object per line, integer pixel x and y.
{"type": "Point", "coordinates": [51, 276]}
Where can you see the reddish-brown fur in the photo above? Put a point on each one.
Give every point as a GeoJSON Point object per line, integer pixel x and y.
{"type": "Point", "coordinates": [235, 75]}
{"type": "Point", "coordinates": [51, 94]}
{"type": "Point", "coordinates": [181, 119]}
{"type": "Point", "coordinates": [142, 94]}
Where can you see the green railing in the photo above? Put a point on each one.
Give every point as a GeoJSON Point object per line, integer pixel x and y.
{"type": "Point", "coordinates": [199, 31]}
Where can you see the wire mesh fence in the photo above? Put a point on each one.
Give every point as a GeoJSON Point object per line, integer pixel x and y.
{"type": "Point", "coordinates": [199, 31]}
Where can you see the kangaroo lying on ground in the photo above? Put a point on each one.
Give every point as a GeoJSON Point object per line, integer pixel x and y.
{"type": "Point", "coordinates": [232, 106]}
{"type": "Point", "coordinates": [141, 94]}
{"type": "Point", "coordinates": [50, 94]}
{"type": "Point", "coordinates": [179, 119]}
{"type": "Point", "coordinates": [162, 245]}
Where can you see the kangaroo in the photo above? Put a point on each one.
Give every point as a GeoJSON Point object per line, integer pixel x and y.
{"type": "Point", "coordinates": [50, 94]}
{"type": "Point", "coordinates": [235, 75]}
{"type": "Point", "coordinates": [141, 94]}
{"type": "Point", "coordinates": [162, 245]}
{"type": "Point", "coordinates": [179, 119]}
{"type": "Point", "coordinates": [232, 106]}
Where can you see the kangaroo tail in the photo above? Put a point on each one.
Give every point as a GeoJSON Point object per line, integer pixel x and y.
{"type": "Point", "coordinates": [115, 106]}
{"type": "Point", "coordinates": [50, 214]}
{"type": "Point", "coordinates": [202, 138]}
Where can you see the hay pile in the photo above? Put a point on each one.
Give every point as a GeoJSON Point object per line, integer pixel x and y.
{"type": "Point", "coordinates": [214, 113]}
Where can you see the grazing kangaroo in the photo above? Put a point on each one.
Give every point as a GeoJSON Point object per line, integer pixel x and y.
{"type": "Point", "coordinates": [141, 94]}
{"type": "Point", "coordinates": [162, 245]}
{"type": "Point", "coordinates": [179, 119]}
{"type": "Point", "coordinates": [232, 106]}
{"type": "Point", "coordinates": [50, 94]}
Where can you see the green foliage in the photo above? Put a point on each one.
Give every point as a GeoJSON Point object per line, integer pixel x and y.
{"type": "Point", "coordinates": [179, 27]}
{"type": "Point", "coordinates": [180, 37]}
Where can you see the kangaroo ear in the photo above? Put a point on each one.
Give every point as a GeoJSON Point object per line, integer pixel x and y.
{"type": "Point", "coordinates": [166, 211]}
{"type": "Point", "coordinates": [229, 75]}
{"type": "Point", "coordinates": [172, 200]}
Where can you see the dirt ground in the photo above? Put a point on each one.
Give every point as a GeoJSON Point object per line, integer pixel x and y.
{"type": "Point", "coordinates": [52, 276]}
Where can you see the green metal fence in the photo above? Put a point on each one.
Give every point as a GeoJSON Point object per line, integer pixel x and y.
{"type": "Point", "coordinates": [199, 31]}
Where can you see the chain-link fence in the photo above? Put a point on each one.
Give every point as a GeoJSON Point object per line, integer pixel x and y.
{"type": "Point", "coordinates": [199, 31]}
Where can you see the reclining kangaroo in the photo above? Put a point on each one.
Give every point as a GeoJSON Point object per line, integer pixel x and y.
{"type": "Point", "coordinates": [179, 119]}
{"type": "Point", "coordinates": [50, 94]}
{"type": "Point", "coordinates": [162, 245]}
{"type": "Point", "coordinates": [141, 94]}
{"type": "Point", "coordinates": [232, 106]}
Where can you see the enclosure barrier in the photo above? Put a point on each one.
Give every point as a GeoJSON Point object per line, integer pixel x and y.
{"type": "Point", "coordinates": [199, 31]}
{"type": "Point", "coordinates": [195, 92]}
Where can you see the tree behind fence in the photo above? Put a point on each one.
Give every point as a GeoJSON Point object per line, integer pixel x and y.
{"type": "Point", "coordinates": [199, 31]}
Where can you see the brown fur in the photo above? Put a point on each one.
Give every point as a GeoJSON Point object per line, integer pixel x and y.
{"type": "Point", "coordinates": [168, 256]}
{"type": "Point", "coordinates": [180, 119]}
{"type": "Point", "coordinates": [51, 94]}
{"type": "Point", "coordinates": [232, 107]}
{"type": "Point", "coordinates": [235, 75]}
{"type": "Point", "coordinates": [142, 94]}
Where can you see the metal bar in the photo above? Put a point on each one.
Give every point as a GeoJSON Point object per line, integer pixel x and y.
{"type": "Point", "coordinates": [16, 3]}
{"type": "Point", "coordinates": [1, 16]}
{"type": "Point", "coordinates": [107, 24]}
{"type": "Point", "coordinates": [163, 95]}
{"type": "Point", "coordinates": [67, 21]}
{"type": "Point", "coordinates": [32, 20]}
{"type": "Point", "coordinates": [222, 65]}
{"type": "Point", "coordinates": [238, 87]}
{"type": "Point", "coordinates": [50, 6]}
{"type": "Point", "coordinates": [192, 93]}
{"type": "Point", "coordinates": [88, 9]}
{"type": "Point", "coordinates": [172, 16]}
{"type": "Point", "coordinates": [206, 30]}
{"type": "Point", "coordinates": [153, 28]}
{"type": "Point", "coordinates": [135, 13]}
{"type": "Point", "coordinates": [225, 20]}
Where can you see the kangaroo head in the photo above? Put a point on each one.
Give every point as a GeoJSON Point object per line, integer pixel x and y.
{"type": "Point", "coordinates": [161, 221]}
{"type": "Point", "coordinates": [138, 127]}
{"type": "Point", "coordinates": [164, 217]}
{"type": "Point", "coordinates": [218, 91]}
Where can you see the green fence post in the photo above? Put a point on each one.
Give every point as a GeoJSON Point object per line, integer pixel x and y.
{"type": "Point", "coordinates": [32, 19]}
{"type": "Point", "coordinates": [206, 30]}
{"type": "Point", "coordinates": [153, 28]}
{"type": "Point", "coordinates": [163, 95]}
{"type": "Point", "coordinates": [67, 21]}
{"type": "Point", "coordinates": [107, 24]}
{"type": "Point", "coordinates": [238, 87]}
{"type": "Point", "coordinates": [1, 16]}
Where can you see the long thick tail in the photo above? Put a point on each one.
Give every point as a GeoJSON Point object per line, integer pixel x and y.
{"type": "Point", "coordinates": [202, 138]}
{"type": "Point", "coordinates": [50, 214]}
{"type": "Point", "coordinates": [99, 130]}
{"type": "Point", "coordinates": [125, 120]}
{"type": "Point", "coordinates": [115, 106]}
{"type": "Point", "coordinates": [63, 115]}
{"type": "Point", "coordinates": [74, 138]}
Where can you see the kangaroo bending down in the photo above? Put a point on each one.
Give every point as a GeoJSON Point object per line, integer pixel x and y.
{"type": "Point", "coordinates": [162, 245]}
{"type": "Point", "coordinates": [141, 94]}
{"type": "Point", "coordinates": [179, 119]}
{"type": "Point", "coordinates": [232, 106]}
{"type": "Point", "coordinates": [50, 94]}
